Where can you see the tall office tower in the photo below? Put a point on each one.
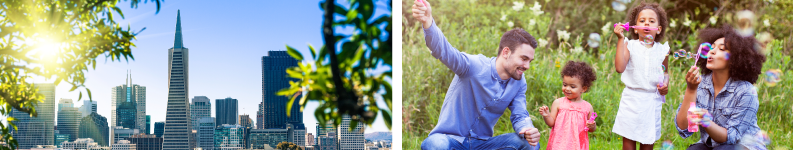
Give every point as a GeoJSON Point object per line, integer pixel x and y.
{"type": "Point", "coordinates": [32, 131]}
{"type": "Point", "coordinates": [260, 117]}
{"type": "Point", "coordinates": [206, 133]}
{"type": "Point", "coordinates": [68, 119]}
{"type": "Point", "coordinates": [148, 124]}
{"type": "Point", "coordinates": [146, 142]}
{"type": "Point", "coordinates": [350, 139]}
{"type": "Point", "coordinates": [87, 108]}
{"type": "Point", "coordinates": [225, 111]}
{"type": "Point", "coordinates": [246, 121]}
{"type": "Point", "coordinates": [159, 128]}
{"type": "Point", "coordinates": [274, 78]}
{"type": "Point", "coordinates": [94, 126]}
{"type": "Point", "coordinates": [128, 106]}
{"type": "Point", "coordinates": [199, 108]}
{"type": "Point", "coordinates": [309, 139]}
{"type": "Point", "coordinates": [177, 119]}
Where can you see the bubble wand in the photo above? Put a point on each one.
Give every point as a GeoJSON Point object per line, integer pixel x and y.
{"type": "Point", "coordinates": [627, 26]}
{"type": "Point", "coordinates": [591, 119]}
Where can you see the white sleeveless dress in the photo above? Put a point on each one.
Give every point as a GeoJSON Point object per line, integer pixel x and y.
{"type": "Point", "coordinates": [639, 114]}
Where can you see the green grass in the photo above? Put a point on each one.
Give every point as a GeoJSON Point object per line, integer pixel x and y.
{"type": "Point", "coordinates": [475, 28]}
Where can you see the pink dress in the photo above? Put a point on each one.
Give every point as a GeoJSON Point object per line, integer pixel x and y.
{"type": "Point", "coordinates": [568, 131]}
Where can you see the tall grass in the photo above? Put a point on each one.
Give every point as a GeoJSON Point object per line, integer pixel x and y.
{"type": "Point", "coordinates": [475, 27]}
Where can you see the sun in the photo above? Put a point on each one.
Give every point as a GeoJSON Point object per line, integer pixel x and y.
{"type": "Point", "coordinates": [45, 49]}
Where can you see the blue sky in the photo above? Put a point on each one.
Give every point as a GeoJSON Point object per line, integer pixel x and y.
{"type": "Point", "coordinates": [226, 42]}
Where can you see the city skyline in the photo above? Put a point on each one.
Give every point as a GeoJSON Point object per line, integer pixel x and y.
{"type": "Point", "coordinates": [240, 55]}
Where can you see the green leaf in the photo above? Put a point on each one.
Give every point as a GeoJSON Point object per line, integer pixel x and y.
{"type": "Point", "coordinates": [294, 53]}
{"type": "Point", "coordinates": [386, 117]}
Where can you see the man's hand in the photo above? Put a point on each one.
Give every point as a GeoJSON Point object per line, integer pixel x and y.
{"type": "Point", "coordinates": [544, 111]}
{"type": "Point", "coordinates": [422, 11]}
{"type": "Point", "coordinates": [532, 135]}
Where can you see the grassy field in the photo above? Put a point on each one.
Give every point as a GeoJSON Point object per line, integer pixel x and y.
{"type": "Point", "coordinates": [475, 27]}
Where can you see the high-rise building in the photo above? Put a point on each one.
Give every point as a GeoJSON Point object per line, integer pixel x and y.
{"type": "Point", "coordinates": [260, 117]}
{"type": "Point", "coordinates": [88, 107]}
{"type": "Point", "coordinates": [60, 138]}
{"type": "Point", "coordinates": [246, 121]}
{"type": "Point", "coordinates": [309, 139]}
{"type": "Point", "coordinates": [120, 133]}
{"type": "Point", "coordinates": [328, 141]}
{"type": "Point", "coordinates": [226, 111]}
{"type": "Point", "coordinates": [148, 124]}
{"type": "Point", "coordinates": [292, 133]}
{"type": "Point", "coordinates": [94, 126]}
{"type": "Point", "coordinates": [33, 131]}
{"type": "Point", "coordinates": [274, 78]}
{"type": "Point", "coordinates": [68, 119]}
{"type": "Point", "coordinates": [206, 133]}
{"type": "Point", "coordinates": [350, 139]}
{"type": "Point", "coordinates": [229, 137]}
{"type": "Point", "coordinates": [199, 108]}
{"type": "Point", "coordinates": [177, 119]}
{"type": "Point", "coordinates": [128, 108]}
{"type": "Point", "coordinates": [159, 127]}
{"type": "Point", "coordinates": [324, 130]}
{"type": "Point", "coordinates": [296, 134]}
{"type": "Point", "coordinates": [124, 145]}
{"type": "Point", "coordinates": [81, 143]}
{"type": "Point", "coordinates": [146, 142]}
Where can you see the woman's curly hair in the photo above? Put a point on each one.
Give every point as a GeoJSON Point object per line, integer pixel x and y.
{"type": "Point", "coordinates": [580, 70]}
{"type": "Point", "coordinates": [746, 60]}
{"type": "Point", "coordinates": [663, 21]}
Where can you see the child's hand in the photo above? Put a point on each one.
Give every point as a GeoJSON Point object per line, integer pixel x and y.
{"type": "Point", "coordinates": [544, 111]}
{"type": "Point", "coordinates": [591, 124]}
{"type": "Point", "coordinates": [663, 90]}
{"type": "Point", "coordinates": [618, 31]}
{"type": "Point", "coordinates": [692, 78]}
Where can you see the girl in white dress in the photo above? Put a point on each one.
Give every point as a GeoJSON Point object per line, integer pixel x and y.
{"type": "Point", "coordinates": [640, 61]}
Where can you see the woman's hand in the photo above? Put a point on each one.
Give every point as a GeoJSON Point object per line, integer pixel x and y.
{"type": "Point", "coordinates": [692, 78]}
{"type": "Point", "coordinates": [544, 111]}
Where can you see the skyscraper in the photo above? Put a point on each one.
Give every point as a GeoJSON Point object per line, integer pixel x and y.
{"type": "Point", "coordinates": [260, 117]}
{"type": "Point", "coordinates": [94, 126]}
{"type": "Point", "coordinates": [350, 139]}
{"type": "Point", "coordinates": [159, 127]}
{"type": "Point", "coordinates": [245, 121]}
{"type": "Point", "coordinates": [274, 78]}
{"type": "Point", "coordinates": [225, 111]}
{"type": "Point", "coordinates": [148, 124]}
{"type": "Point", "coordinates": [88, 107]}
{"type": "Point", "coordinates": [128, 106]}
{"type": "Point", "coordinates": [32, 131]}
{"type": "Point", "coordinates": [199, 108]}
{"type": "Point", "coordinates": [68, 119]}
{"type": "Point", "coordinates": [177, 119]}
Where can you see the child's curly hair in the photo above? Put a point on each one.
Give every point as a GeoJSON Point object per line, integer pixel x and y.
{"type": "Point", "coordinates": [746, 61]}
{"type": "Point", "coordinates": [580, 70]}
{"type": "Point", "coordinates": [663, 21]}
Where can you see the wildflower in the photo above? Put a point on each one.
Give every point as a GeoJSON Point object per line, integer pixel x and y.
{"type": "Point", "coordinates": [766, 22]}
{"type": "Point", "coordinates": [537, 9]}
{"type": "Point", "coordinates": [532, 23]}
{"type": "Point", "coordinates": [606, 28]}
{"type": "Point", "coordinates": [518, 5]}
{"type": "Point", "coordinates": [713, 20]}
{"type": "Point", "coordinates": [673, 23]}
{"type": "Point", "coordinates": [503, 17]}
{"type": "Point", "coordinates": [563, 35]}
{"type": "Point", "coordinates": [542, 42]}
{"type": "Point", "coordinates": [510, 24]}
{"type": "Point", "coordinates": [578, 49]}
{"type": "Point", "coordinates": [687, 22]}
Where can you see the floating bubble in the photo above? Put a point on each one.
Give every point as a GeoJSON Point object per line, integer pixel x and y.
{"type": "Point", "coordinates": [668, 145]}
{"type": "Point", "coordinates": [772, 76]}
{"type": "Point", "coordinates": [727, 56]}
{"type": "Point", "coordinates": [594, 40]}
{"type": "Point", "coordinates": [745, 23]}
{"type": "Point", "coordinates": [648, 40]}
{"type": "Point", "coordinates": [757, 141]}
{"type": "Point", "coordinates": [763, 40]}
{"type": "Point", "coordinates": [682, 54]}
{"type": "Point", "coordinates": [618, 6]}
{"type": "Point", "coordinates": [754, 90]}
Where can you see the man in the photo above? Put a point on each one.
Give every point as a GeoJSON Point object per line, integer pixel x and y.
{"type": "Point", "coordinates": [481, 90]}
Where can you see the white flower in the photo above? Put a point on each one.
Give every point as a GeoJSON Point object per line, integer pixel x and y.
{"type": "Point", "coordinates": [578, 49]}
{"type": "Point", "coordinates": [532, 23]}
{"type": "Point", "coordinates": [606, 28]}
{"type": "Point", "coordinates": [563, 35]}
{"type": "Point", "coordinates": [673, 23]}
{"type": "Point", "coordinates": [518, 5]}
{"type": "Point", "coordinates": [510, 24]}
{"type": "Point", "coordinates": [713, 20]}
{"type": "Point", "coordinates": [687, 22]}
{"type": "Point", "coordinates": [537, 8]}
{"type": "Point", "coordinates": [766, 22]}
{"type": "Point", "coordinates": [542, 42]}
{"type": "Point", "coordinates": [503, 17]}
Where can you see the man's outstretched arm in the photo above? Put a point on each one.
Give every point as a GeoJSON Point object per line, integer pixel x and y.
{"type": "Point", "coordinates": [521, 121]}
{"type": "Point", "coordinates": [440, 47]}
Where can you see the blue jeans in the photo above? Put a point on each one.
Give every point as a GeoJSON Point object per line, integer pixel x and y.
{"type": "Point", "coordinates": [509, 141]}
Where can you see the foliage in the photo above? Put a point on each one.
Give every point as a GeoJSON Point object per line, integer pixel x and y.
{"type": "Point", "coordinates": [475, 27]}
{"type": "Point", "coordinates": [55, 40]}
{"type": "Point", "coordinates": [343, 81]}
{"type": "Point", "coordinates": [288, 146]}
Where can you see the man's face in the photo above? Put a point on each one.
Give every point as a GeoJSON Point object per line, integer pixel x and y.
{"type": "Point", "coordinates": [518, 60]}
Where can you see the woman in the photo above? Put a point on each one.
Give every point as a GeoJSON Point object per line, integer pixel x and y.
{"type": "Point", "coordinates": [724, 91]}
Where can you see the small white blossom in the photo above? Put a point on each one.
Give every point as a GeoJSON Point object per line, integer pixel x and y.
{"type": "Point", "coordinates": [532, 22]}
{"type": "Point", "coordinates": [673, 23]}
{"type": "Point", "coordinates": [503, 17]}
{"type": "Point", "coordinates": [542, 42]}
{"type": "Point", "coordinates": [510, 24]}
{"type": "Point", "coordinates": [766, 22]}
{"type": "Point", "coordinates": [578, 49]}
{"type": "Point", "coordinates": [537, 9]}
{"type": "Point", "coordinates": [687, 22]}
{"type": "Point", "coordinates": [518, 5]}
{"type": "Point", "coordinates": [606, 28]}
{"type": "Point", "coordinates": [563, 35]}
{"type": "Point", "coordinates": [713, 20]}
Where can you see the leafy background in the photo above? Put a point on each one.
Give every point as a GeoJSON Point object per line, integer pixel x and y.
{"type": "Point", "coordinates": [562, 29]}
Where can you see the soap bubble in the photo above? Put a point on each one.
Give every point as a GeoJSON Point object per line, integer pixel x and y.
{"type": "Point", "coordinates": [773, 76]}
{"type": "Point", "coordinates": [668, 145]}
{"type": "Point", "coordinates": [619, 5]}
{"type": "Point", "coordinates": [745, 22]}
{"type": "Point", "coordinates": [763, 41]}
{"type": "Point", "coordinates": [754, 142]}
{"type": "Point", "coordinates": [594, 40]}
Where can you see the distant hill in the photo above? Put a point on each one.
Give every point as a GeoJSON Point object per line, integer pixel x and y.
{"type": "Point", "coordinates": [378, 136]}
